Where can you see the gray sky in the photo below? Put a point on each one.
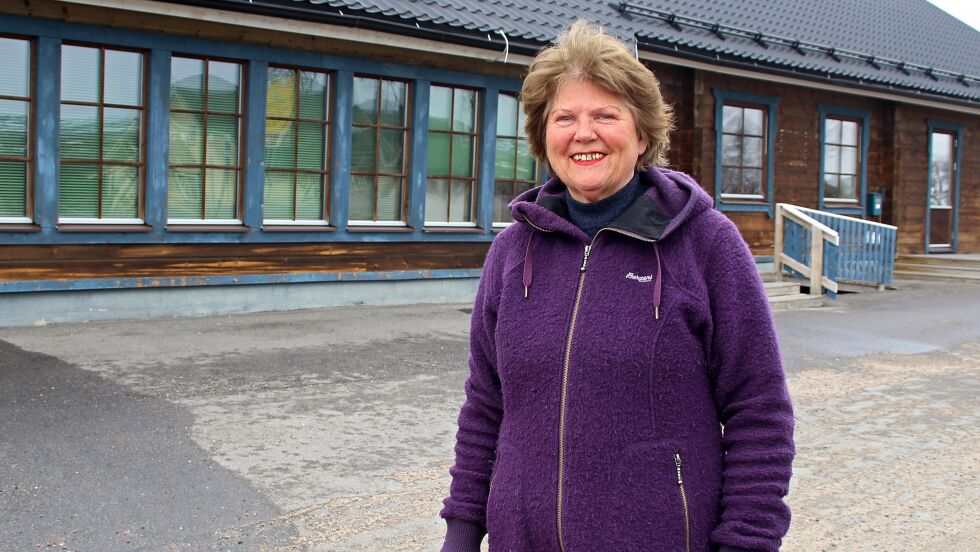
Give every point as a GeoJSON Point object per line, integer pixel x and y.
{"type": "Point", "coordinates": [964, 10]}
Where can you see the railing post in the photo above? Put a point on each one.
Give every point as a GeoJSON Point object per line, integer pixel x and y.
{"type": "Point", "coordinates": [816, 261]}
{"type": "Point", "coordinates": [777, 254]}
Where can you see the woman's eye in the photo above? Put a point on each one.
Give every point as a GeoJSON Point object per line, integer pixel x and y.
{"type": "Point", "coordinates": [604, 117]}
{"type": "Point", "coordinates": [563, 119]}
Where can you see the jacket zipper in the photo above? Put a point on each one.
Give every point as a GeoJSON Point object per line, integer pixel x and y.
{"type": "Point", "coordinates": [564, 394]}
{"type": "Point", "coordinates": [687, 516]}
{"type": "Point", "coordinates": [564, 381]}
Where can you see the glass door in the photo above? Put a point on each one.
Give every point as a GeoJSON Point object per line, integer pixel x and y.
{"type": "Point", "coordinates": [942, 180]}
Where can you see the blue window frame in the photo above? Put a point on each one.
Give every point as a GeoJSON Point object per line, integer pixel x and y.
{"type": "Point", "coordinates": [451, 163]}
{"type": "Point", "coordinates": [844, 138]}
{"type": "Point", "coordinates": [745, 143]}
{"type": "Point", "coordinates": [516, 170]}
{"type": "Point", "coordinates": [249, 216]}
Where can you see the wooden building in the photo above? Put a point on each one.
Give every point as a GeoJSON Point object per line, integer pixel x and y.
{"type": "Point", "coordinates": [229, 155]}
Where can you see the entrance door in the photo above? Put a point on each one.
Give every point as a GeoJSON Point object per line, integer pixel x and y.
{"type": "Point", "coordinates": [942, 182]}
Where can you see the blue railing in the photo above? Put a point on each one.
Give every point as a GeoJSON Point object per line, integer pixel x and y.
{"type": "Point", "coordinates": [867, 249]}
{"type": "Point", "coordinates": [808, 248]}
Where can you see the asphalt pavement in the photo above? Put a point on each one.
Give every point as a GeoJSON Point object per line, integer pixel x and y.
{"type": "Point", "coordinates": [332, 429]}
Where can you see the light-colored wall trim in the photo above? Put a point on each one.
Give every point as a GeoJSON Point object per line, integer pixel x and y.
{"type": "Point", "coordinates": [32, 309]}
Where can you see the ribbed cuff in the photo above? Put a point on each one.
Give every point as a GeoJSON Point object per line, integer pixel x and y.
{"type": "Point", "coordinates": [730, 549]}
{"type": "Point", "coordinates": [463, 536]}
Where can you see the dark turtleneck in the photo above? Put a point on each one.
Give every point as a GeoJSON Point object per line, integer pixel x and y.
{"type": "Point", "coordinates": [592, 217]}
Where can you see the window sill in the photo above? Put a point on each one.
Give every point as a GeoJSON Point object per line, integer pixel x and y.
{"type": "Point", "coordinates": [453, 230]}
{"type": "Point", "coordinates": [19, 227]}
{"type": "Point", "coordinates": [103, 227]}
{"type": "Point", "coordinates": [298, 228]}
{"type": "Point", "coordinates": [241, 229]}
{"type": "Point", "coordinates": [844, 208]}
{"type": "Point", "coordinates": [380, 228]}
{"type": "Point", "coordinates": [744, 205]}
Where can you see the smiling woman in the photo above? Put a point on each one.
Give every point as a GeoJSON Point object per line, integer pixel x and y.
{"type": "Point", "coordinates": [592, 141]}
{"type": "Point", "coordinates": [619, 325]}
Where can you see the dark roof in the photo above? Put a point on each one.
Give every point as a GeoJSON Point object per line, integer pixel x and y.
{"type": "Point", "coordinates": [905, 46]}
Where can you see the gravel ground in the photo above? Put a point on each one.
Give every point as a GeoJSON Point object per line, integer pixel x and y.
{"type": "Point", "coordinates": [332, 430]}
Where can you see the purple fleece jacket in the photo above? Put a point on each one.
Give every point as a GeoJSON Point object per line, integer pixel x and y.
{"type": "Point", "coordinates": [625, 393]}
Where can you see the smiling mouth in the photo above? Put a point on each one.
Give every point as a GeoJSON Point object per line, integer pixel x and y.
{"type": "Point", "coordinates": [588, 157]}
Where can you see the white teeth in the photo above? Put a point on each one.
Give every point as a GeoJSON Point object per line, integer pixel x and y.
{"type": "Point", "coordinates": [588, 156]}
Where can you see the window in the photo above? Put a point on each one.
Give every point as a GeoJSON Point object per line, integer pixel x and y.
{"type": "Point", "coordinates": [101, 158]}
{"type": "Point", "coordinates": [205, 146]}
{"type": "Point", "coordinates": [844, 154]}
{"type": "Point", "coordinates": [379, 157]}
{"type": "Point", "coordinates": [743, 151]}
{"type": "Point", "coordinates": [451, 161]}
{"type": "Point", "coordinates": [840, 159]}
{"type": "Point", "coordinates": [515, 168]}
{"type": "Point", "coordinates": [15, 124]}
{"type": "Point", "coordinates": [296, 144]}
{"type": "Point", "coordinates": [941, 169]}
{"type": "Point", "coordinates": [745, 133]}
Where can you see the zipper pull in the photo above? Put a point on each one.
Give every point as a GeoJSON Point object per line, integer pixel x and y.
{"type": "Point", "coordinates": [585, 259]}
{"type": "Point", "coordinates": [677, 462]}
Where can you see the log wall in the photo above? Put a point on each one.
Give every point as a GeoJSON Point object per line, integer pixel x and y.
{"type": "Point", "coordinates": [80, 262]}
{"type": "Point", "coordinates": [797, 155]}
{"type": "Point", "coordinates": [911, 131]}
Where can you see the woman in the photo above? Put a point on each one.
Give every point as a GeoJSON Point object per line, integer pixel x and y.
{"type": "Point", "coordinates": [619, 325]}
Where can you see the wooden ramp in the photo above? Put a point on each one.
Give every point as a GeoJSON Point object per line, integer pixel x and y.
{"type": "Point", "coordinates": [941, 267]}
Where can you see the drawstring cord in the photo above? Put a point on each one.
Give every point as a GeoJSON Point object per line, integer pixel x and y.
{"type": "Point", "coordinates": [658, 286]}
{"type": "Point", "coordinates": [528, 264]}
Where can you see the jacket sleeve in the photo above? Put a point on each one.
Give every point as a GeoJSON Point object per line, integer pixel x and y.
{"type": "Point", "coordinates": [751, 398]}
{"type": "Point", "coordinates": [479, 418]}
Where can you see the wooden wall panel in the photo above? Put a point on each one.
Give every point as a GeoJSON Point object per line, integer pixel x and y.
{"type": "Point", "coordinates": [912, 167]}
{"type": "Point", "coordinates": [68, 262]}
{"type": "Point", "coordinates": [676, 84]}
{"type": "Point", "coordinates": [797, 159]}
{"type": "Point", "coordinates": [757, 231]}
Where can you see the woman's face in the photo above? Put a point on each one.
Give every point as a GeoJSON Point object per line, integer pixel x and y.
{"type": "Point", "coordinates": [591, 141]}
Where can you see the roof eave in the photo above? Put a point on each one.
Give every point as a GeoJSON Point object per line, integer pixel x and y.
{"type": "Point", "coordinates": [288, 9]}
{"type": "Point", "coordinates": [762, 68]}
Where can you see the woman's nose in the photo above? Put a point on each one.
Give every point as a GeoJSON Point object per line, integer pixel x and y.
{"type": "Point", "coordinates": [584, 132]}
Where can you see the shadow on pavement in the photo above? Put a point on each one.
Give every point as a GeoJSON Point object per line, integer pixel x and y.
{"type": "Point", "coordinates": [90, 465]}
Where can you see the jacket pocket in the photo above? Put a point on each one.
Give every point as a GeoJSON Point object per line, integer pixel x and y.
{"type": "Point", "coordinates": [505, 503]}
{"type": "Point", "coordinates": [684, 505]}
{"type": "Point", "coordinates": [647, 508]}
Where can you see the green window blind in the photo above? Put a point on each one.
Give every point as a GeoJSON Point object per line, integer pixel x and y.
{"type": "Point", "coordinates": [515, 169]}
{"type": "Point", "coordinates": [378, 151]}
{"type": "Point", "coordinates": [15, 124]}
{"type": "Point", "coordinates": [101, 140]}
{"type": "Point", "coordinates": [451, 160]}
{"type": "Point", "coordinates": [296, 145]}
{"type": "Point", "coordinates": [205, 139]}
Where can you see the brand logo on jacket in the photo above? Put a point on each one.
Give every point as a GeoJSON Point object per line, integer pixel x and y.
{"type": "Point", "coordinates": [641, 279]}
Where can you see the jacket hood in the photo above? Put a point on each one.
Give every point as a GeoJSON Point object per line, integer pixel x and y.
{"type": "Point", "coordinates": [671, 199]}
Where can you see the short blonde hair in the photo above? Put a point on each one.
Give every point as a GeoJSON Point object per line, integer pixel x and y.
{"type": "Point", "coordinates": [584, 52]}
